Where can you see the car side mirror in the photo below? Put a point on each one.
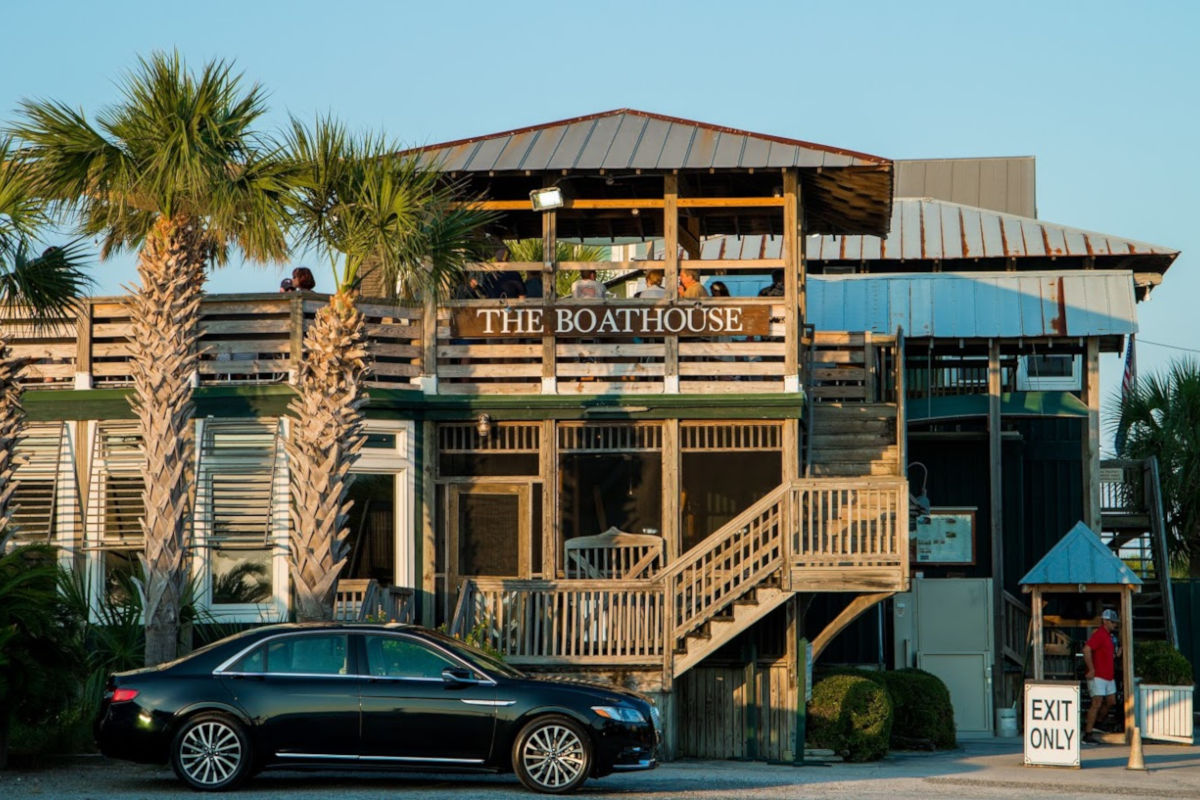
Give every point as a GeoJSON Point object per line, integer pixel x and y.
{"type": "Point", "coordinates": [456, 675]}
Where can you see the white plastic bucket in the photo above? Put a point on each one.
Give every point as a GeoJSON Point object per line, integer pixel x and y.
{"type": "Point", "coordinates": [1006, 723]}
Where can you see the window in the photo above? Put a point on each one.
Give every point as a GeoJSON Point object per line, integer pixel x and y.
{"type": "Point", "coordinates": [43, 484]}
{"type": "Point", "coordinates": [254, 662]}
{"type": "Point", "coordinates": [400, 657]}
{"type": "Point", "coordinates": [308, 655]}
{"type": "Point", "coordinates": [235, 498]}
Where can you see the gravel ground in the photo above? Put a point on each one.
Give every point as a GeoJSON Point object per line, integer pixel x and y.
{"type": "Point", "coordinates": [984, 769]}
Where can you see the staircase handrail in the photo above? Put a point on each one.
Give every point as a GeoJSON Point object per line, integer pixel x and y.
{"type": "Point", "coordinates": [1158, 544]}
{"type": "Point", "coordinates": [697, 593]}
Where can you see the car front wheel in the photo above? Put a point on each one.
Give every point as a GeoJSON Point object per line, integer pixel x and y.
{"type": "Point", "coordinates": [211, 753]}
{"type": "Point", "coordinates": [553, 755]}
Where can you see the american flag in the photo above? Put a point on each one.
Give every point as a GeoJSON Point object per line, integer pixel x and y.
{"type": "Point", "coordinates": [1128, 382]}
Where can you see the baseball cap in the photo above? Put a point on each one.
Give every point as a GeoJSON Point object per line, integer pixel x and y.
{"type": "Point", "coordinates": [1111, 615]}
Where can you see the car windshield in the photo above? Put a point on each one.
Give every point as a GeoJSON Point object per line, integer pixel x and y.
{"type": "Point", "coordinates": [476, 657]}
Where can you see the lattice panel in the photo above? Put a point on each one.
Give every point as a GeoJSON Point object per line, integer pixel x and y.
{"type": "Point", "coordinates": [609, 437]}
{"type": "Point", "coordinates": [731, 436]}
{"type": "Point", "coordinates": [504, 437]}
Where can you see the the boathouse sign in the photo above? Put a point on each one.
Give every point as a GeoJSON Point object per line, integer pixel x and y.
{"type": "Point", "coordinates": [577, 321]}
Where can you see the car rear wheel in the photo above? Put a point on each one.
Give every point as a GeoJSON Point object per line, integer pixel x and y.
{"type": "Point", "coordinates": [552, 754]}
{"type": "Point", "coordinates": [211, 752]}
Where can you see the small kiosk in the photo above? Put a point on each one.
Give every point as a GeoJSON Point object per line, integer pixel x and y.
{"type": "Point", "coordinates": [1079, 564]}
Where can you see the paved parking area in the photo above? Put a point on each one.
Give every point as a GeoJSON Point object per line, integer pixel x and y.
{"type": "Point", "coordinates": [980, 769]}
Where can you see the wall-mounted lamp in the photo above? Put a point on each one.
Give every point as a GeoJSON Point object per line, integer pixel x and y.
{"type": "Point", "coordinates": [546, 199]}
{"type": "Point", "coordinates": [483, 425]}
{"type": "Point", "coordinates": [920, 503]}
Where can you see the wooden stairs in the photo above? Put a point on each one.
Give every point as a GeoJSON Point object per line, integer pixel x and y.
{"type": "Point", "coordinates": [724, 626]}
{"type": "Point", "coordinates": [853, 440]}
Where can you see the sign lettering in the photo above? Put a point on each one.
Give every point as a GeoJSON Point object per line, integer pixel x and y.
{"type": "Point", "coordinates": [614, 320]}
{"type": "Point", "coordinates": [1052, 723]}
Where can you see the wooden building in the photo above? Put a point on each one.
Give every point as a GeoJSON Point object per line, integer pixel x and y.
{"type": "Point", "coordinates": [648, 490]}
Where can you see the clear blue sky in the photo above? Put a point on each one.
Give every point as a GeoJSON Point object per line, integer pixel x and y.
{"type": "Point", "coordinates": [1104, 94]}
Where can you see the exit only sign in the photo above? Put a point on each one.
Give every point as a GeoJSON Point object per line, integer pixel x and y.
{"type": "Point", "coordinates": [1052, 728]}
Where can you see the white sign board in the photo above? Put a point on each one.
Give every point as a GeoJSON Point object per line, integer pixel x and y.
{"type": "Point", "coordinates": [1052, 728]}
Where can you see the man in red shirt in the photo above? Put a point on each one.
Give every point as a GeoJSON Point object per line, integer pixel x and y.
{"type": "Point", "coordinates": [1098, 656]}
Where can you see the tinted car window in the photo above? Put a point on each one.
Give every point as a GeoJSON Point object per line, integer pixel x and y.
{"type": "Point", "coordinates": [398, 657]}
{"type": "Point", "coordinates": [308, 655]}
{"type": "Point", "coordinates": [253, 662]}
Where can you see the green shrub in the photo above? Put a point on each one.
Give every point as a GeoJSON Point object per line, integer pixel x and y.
{"type": "Point", "coordinates": [1160, 663]}
{"type": "Point", "coordinates": [922, 707]}
{"type": "Point", "coordinates": [851, 715]}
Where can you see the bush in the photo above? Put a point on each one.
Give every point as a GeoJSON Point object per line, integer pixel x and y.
{"type": "Point", "coordinates": [1160, 663]}
{"type": "Point", "coordinates": [922, 707]}
{"type": "Point", "coordinates": [851, 715]}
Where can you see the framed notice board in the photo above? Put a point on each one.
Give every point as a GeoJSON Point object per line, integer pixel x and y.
{"type": "Point", "coordinates": [946, 536]}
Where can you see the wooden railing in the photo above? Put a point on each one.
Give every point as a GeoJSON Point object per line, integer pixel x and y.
{"type": "Point", "coordinates": [1016, 628]}
{"type": "Point", "coordinates": [1122, 487]}
{"type": "Point", "coordinates": [850, 523]}
{"type": "Point", "coordinates": [251, 338]}
{"type": "Point", "coordinates": [820, 524]}
{"type": "Point", "coordinates": [359, 599]}
{"type": "Point", "coordinates": [546, 622]}
{"type": "Point", "coordinates": [945, 376]}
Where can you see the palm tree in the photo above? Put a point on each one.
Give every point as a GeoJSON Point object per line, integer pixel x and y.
{"type": "Point", "coordinates": [361, 207]}
{"type": "Point", "coordinates": [533, 250]}
{"type": "Point", "coordinates": [1162, 417]}
{"type": "Point", "coordinates": [176, 170]}
{"type": "Point", "coordinates": [44, 288]}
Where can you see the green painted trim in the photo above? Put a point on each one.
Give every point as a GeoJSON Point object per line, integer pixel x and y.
{"type": "Point", "coordinates": [272, 400]}
{"type": "Point", "coordinates": [1012, 404]}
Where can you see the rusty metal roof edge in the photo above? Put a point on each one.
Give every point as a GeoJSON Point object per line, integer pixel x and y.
{"type": "Point", "coordinates": [880, 160]}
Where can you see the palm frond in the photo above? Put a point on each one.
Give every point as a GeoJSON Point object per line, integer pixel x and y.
{"type": "Point", "coordinates": [48, 285]}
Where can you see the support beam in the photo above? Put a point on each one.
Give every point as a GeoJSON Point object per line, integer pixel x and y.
{"type": "Point", "coordinates": [689, 237]}
{"type": "Point", "coordinates": [549, 292]}
{"type": "Point", "coordinates": [1039, 635]}
{"type": "Point", "coordinates": [996, 500]}
{"type": "Point", "coordinates": [851, 612]}
{"type": "Point", "coordinates": [1091, 435]}
{"type": "Point", "coordinates": [793, 279]}
{"type": "Point", "coordinates": [1127, 657]}
{"type": "Point", "coordinates": [671, 275]}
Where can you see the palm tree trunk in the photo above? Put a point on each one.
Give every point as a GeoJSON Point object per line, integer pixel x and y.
{"type": "Point", "coordinates": [10, 426]}
{"type": "Point", "coordinates": [165, 311]}
{"type": "Point", "coordinates": [327, 436]}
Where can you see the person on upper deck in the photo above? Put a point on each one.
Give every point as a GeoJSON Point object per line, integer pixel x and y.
{"type": "Point", "coordinates": [776, 289]}
{"type": "Point", "coordinates": [587, 287]}
{"type": "Point", "coordinates": [654, 288]}
{"type": "Point", "coordinates": [690, 287]}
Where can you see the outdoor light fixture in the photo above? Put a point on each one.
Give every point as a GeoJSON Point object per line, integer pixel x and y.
{"type": "Point", "coordinates": [546, 199]}
{"type": "Point", "coordinates": [920, 503]}
{"type": "Point", "coordinates": [483, 424]}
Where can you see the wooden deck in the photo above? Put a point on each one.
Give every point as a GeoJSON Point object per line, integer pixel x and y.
{"type": "Point", "coordinates": [806, 535]}
{"type": "Point", "coordinates": [259, 339]}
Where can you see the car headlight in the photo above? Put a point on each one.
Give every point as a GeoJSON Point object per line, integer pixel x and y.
{"type": "Point", "coordinates": [655, 716]}
{"type": "Point", "coordinates": [619, 713]}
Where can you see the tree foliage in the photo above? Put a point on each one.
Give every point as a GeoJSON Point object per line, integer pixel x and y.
{"type": "Point", "coordinates": [1162, 416]}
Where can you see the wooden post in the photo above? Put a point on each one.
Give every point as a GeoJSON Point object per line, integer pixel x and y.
{"type": "Point", "coordinates": [83, 345]}
{"type": "Point", "coordinates": [672, 531]}
{"type": "Point", "coordinates": [1127, 658]}
{"type": "Point", "coordinates": [793, 279]}
{"type": "Point", "coordinates": [996, 499]}
{"type": "Point", "coordinates": [1091, 437]}
{"type": "Point", "coordinates": [429, 357]}
{"type": "Point", "coordinates": [671, 276]}
{"type": "Point", "coordinates": [549, 295]}
{"type": "Point", "coordinates": [429, 557]}
{"type": "Point", "coordinates": [548, 469]}
{"type": "Point", "coordinates": [1039, 637]}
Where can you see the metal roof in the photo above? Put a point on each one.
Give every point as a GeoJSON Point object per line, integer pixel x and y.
{"type": "Point", "coordinates": [1081, 558]}
{"type": "Point", "coordinates": [927, 229]}
{"type": "Point", "coordinates": [976, 305]}
{"type": "Point", "coordinates": [626, 139]}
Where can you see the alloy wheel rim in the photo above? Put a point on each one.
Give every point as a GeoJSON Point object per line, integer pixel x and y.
{"type": "Point", "coordinates": [210, 753]}
{"type": "Point", "coordinates": [553, 756]}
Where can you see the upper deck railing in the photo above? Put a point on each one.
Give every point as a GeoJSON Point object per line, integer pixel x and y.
{"type": "Point", "coordinates": [259, 339]}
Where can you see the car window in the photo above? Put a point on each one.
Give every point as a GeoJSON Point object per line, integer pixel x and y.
{"type": "Point", "coordinates": [313, 654]}
{"type": "Point", "coordinates": [253, 662]}
{"type": "Point", "coordinates": [399, 657]}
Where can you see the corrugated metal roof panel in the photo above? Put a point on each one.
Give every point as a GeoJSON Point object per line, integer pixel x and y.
{"type": "Point", "coordinates": [976, 305]}
{"type": "Point", "coordinates": [649, 151]}
{"type": "Point", "coordinates": [611, 139]}
{"type": "Point", "coordinates": [1081, 558]}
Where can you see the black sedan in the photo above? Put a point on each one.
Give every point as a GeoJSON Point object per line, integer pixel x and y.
{"type": "Point", "coordinates": [381, 696]}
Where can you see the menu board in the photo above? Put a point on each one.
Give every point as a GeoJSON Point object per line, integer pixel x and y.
{"type": "Point", "coordinates": [946, 536]}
